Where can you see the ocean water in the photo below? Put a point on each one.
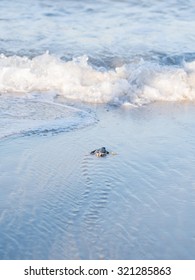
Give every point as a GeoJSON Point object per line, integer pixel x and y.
{"type": "Point", "coordinates": [61, 63]}
{"type": "Point", "coordinates": [109, 52]}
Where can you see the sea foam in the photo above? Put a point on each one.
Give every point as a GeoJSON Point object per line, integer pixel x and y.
{"type": "Point", "coordinates": [137, 82]}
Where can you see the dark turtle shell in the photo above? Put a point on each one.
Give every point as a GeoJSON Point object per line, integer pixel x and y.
{"type": "Point", "coordinates": [102, 152]}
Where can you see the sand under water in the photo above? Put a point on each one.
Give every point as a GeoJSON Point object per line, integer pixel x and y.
{"type": "Point", "coordinates": [59, 202]}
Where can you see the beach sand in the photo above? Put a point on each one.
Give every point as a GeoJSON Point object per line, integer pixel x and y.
{"type": "Point", "coordinates": [60, 202]}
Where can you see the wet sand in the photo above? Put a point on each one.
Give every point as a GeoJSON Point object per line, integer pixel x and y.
{"type": "Point", "coordinates": [59, 202]}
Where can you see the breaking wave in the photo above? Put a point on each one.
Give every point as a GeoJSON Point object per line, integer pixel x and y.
{"type": "Point", "coordinates": [138, 81]}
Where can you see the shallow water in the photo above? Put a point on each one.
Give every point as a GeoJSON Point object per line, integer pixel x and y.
{"type": "Point", "coordinates": [60, 202]}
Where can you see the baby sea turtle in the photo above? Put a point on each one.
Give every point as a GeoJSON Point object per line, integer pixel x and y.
{"type": "Point", "coordinates": [102, 152]}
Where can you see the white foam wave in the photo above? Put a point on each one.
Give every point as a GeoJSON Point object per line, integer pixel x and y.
{"type": "Point", "coordinates": [138, 82]}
